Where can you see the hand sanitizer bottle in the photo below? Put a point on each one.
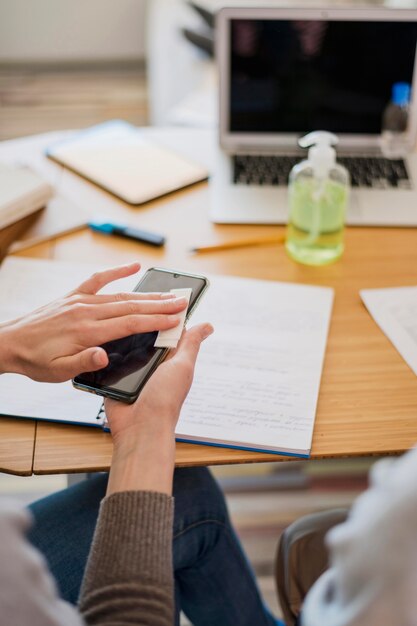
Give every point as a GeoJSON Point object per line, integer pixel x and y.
{"type": "Point", "coordinates": [318, 194]}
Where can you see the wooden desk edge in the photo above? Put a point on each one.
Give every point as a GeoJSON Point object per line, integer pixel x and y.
{"type": "Point", "coordinates": [23, 473]}
{"type": "Point", "coordinates": [259, 458]}
{"type": "Point", "coordinates": [17, 446]}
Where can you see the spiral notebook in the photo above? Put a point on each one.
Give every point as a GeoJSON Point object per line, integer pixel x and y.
{"type": "Point", "coordinates": [257, 378]}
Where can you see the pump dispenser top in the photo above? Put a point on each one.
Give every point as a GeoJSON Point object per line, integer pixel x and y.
{"type": "Point", "coordinates": [321, 155]}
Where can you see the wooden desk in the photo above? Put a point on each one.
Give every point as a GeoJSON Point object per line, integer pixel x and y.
{"type": "Point", "coordinates": [368, 396]}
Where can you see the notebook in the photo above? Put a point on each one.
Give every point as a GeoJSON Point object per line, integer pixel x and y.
{"type": "Point", "coordinates": [257, 378]}
{"type": "Point", "coordinates": [120, 159]}
{"type": "Point", "coordinates": [22, 192]}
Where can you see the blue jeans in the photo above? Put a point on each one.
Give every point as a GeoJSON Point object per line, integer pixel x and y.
{"type": "Point", "coordinates": [214, 584]}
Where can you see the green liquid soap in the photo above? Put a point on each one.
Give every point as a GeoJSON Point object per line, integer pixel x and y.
{"type": "Point", "coordinates": [318, 193]}
{"type": "Point", "coordinates": [316, 222]}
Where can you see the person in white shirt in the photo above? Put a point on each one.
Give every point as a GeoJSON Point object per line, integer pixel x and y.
{"type": "Point", "coordinates": [369, 560]}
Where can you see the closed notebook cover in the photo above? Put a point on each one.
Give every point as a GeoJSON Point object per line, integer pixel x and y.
{"type": "Point", "coordinates": [22, 192]}
{"type": "Point", "coordinates": [119, 159]}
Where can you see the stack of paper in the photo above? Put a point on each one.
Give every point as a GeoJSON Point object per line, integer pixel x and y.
{"type": "Point", "coordinates": [395, 311]}
{"type": "Point", "coordinates": [22, 192]}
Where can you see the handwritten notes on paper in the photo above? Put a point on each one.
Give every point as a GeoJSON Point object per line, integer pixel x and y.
{"type": "Point", "coordinates": [257, 378]}
{"type": "Point", "coordinates": [395, 312]}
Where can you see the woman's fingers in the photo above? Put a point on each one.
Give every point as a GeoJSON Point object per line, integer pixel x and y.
{"type": "Point", "coordinates": [89, 360]}
{"type": "Point", "coordinates": [191, 341]}
{"type": "Point", "coordinates": [120, 297]}
{"type": "Point", "coordinates": [139, 307]}
{"type": "Point", "coordinates": [98, 280]}
{"type": "Point", "coordinates": [118, 327]}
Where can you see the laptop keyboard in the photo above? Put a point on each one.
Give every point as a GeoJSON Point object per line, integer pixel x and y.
{"type": "Point", "coordinates": [375, 172]}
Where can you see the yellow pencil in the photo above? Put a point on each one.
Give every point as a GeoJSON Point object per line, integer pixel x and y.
{"type": "Point", "coordinates": [240, 243]}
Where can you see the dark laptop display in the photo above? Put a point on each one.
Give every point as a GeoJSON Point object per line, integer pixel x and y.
{"type": "Point", "coordinates": [297, 76]}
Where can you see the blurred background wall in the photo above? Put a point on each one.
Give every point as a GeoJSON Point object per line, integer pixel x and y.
{"type": "Point", "coordinates": [71, 30]}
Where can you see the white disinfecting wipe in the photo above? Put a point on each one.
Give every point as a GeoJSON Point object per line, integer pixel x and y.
{"type": "Point", "coordinates": [170, 338]}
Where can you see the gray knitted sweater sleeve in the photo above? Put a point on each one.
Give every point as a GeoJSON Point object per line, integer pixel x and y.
{"type": "Point", "coordinates": [128, 578]}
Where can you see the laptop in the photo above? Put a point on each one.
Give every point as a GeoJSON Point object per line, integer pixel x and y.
{"type": "Point", "coordinates": [287, 71]}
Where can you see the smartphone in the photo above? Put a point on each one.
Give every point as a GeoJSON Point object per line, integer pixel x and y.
{"type": "Point", "coordinates": [133, 359]}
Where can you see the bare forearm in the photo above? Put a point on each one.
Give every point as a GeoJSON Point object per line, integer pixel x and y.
{"type": "Point", "coordinates": [8, 349]}
{"type": "Point", "coordinates": [145, 463]}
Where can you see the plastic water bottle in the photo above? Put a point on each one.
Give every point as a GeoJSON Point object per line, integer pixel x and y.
{"type": "Point", "coordinates": [395, 141]}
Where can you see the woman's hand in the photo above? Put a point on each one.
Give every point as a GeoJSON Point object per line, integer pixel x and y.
{"type": "Point", "coordinates": [143, 432]}
{"type": "Point", "coordinates": [62, 339]}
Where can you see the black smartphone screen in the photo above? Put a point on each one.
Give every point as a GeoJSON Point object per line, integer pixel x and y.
{"type": "Point", "coordinates": [133, 358]}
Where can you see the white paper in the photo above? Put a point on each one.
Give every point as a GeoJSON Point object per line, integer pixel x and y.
{"type": "Point", "coordinates": [257, 378]}
{"type": "Point", "coordinates": [395, 312]}
{"type": "Point", "coordinates": [22, 397]}
{"type": "Point", "coordinates": [170, 338]}
{"type": "Point", "coordinates": [26, 284]}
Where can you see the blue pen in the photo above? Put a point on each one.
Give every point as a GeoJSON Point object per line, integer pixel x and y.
{"type": "Point", "coordinates": [127, 231]}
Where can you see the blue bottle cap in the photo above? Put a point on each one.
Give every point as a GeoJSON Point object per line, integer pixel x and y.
{"type": "Point", "coordinates": [401, 93]}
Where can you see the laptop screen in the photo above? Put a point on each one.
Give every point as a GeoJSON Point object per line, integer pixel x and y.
{"type": "Point", "coordinates": [295, 76]}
